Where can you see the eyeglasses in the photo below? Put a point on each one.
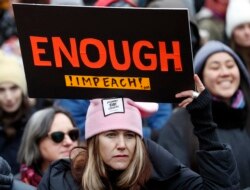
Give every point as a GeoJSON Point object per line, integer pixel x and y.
{"type": "Point", "coordinates": [58, 136]}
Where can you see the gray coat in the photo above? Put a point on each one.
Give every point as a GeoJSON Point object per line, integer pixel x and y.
{"type": "Point", "coordinates": [7, 181]}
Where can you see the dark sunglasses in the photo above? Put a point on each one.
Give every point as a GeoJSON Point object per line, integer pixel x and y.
{"type": "Point", "coordinates": [58, 136]}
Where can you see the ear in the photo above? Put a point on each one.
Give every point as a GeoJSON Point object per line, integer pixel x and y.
{"type": "Point", "coordinates": [147, 108]}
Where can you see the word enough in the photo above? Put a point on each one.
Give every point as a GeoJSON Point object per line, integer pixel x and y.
{"type": "Point", "coordinates": [131, 53]}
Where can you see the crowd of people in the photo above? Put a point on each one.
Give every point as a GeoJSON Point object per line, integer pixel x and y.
{"type": "Point", "coordinates": [200, 143]}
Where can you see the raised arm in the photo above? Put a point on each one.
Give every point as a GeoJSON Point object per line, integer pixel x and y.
{"type": "Point", "coordinates": [218, 169]}
{"type": "Point", "coordinates": [216, 162]}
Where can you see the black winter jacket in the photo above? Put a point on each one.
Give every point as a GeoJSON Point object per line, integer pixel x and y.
{"type": "Point", "coordinates": [178, 138]}
{"type": "Point", "coordinates": [216, 162]}
{"type": "Point", "coordinates": [9, 145]}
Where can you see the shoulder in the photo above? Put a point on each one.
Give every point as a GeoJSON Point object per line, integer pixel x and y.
{"type": "Point", "coordinates": [19, 185]}
{"type": "Point", "coordinates": [164, 163]}
{"type": "Point", "coordinates": [178, 123]}
{"type": "Point", "coordinates": [6, 177]}
{"type": "Point", "coordinates": [58, 176]}
{"type": "Point", "coordinates": [180, 112]}
{"type": "Point", "coordinates": [61, 165]}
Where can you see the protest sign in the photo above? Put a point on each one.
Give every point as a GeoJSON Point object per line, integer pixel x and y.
{"type": "Point", "coordinates": [99, 52]}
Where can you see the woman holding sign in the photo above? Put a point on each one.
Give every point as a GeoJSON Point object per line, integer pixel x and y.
{"type": "Point", "coordinates": [227, 79]}
{"type": "Point", "coordinates": [117, 156]}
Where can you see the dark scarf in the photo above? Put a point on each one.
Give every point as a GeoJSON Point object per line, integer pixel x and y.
{"type": "Point", "coordinates": [113, 176]}
{"type": "Point", "coordinates": [230, 116]}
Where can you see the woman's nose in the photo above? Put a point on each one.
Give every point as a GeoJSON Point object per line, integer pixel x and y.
{"type": "Point", "coordinates": [121, 144]}
{"type": "Point", "coordinates": [8, 95]}
{"type": "Point", "coordinates": [67, 140]}
{"type": "Point", "coordinates": [224, 71]}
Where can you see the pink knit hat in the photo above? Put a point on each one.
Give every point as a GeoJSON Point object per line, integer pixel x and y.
{"type": "Point", "coordinates": [116, 113]}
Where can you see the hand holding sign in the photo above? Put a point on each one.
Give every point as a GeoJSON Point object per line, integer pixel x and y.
{"type": "Point", "coordinates": [190, 94]}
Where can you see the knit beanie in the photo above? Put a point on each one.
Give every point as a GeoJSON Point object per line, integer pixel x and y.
{"type": "Point", "coordinates": [116, 114]}
{"type": "Point", "coordinates": [212, 47]}
{"type": "Point", "coordinates": [238, 12]}
{"type": "Point", "coordinates": [12, 71]}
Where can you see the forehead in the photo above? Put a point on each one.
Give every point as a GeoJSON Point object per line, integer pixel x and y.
{"type": "Point", "coordinates": [61, 122]}
{"type": "Point", "coordinates": [7, 84]}
{"type": "Point", "coordinates": [117, 131]}
{"type": "Point", "coordinates": [219, 57]}
{"type": "Point", "coordinates": [120, 131]}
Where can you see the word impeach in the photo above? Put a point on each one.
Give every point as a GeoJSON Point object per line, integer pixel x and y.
{"type": "Point", "coordinates": [133, 83]}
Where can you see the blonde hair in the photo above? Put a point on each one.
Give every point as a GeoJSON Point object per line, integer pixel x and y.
{"type": "Point", "coordinates": [94, 175]}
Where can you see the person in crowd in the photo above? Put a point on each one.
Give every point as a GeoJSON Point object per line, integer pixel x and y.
{"type": "Point", "coordinates": [9, 41]}
{"type": "Point", "coordinates": [211, 20]}
{"type": "Point", "coordinates": [151, 125]}
{"type": "Point", "coordinates": [7, 22]}
{"type": "Point", "coordinates": [117, 156]}
{"type": "Point", "coordinates": [78, 109]}
{"type": "Point", "coordinates": [226, 78]}
{"type": "Point", "coordinates": [7, 181]}
{"type": "Point", "coordinates": [15, 108]}
{"type": "Point", "coordinates": [49, 135]}
{"type": "Point", "coordinates": [190, 5]}
{"type": "Point", "coordinates": [238, 29]}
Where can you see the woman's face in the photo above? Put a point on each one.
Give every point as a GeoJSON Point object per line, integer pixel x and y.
{"type": "Point", "coordinates": [117, 148]}
{"type": "Point", "coordinates": [241, 35]}
{"type": "Point", "coordinates": [51, 150]}
{"type": "Point", "coordinates": [11, 97]}
{"type": "Point", "coordinates": [221, 75]}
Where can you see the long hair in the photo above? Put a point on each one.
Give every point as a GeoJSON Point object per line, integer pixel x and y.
{"type": "Point", "coordinates": [36, 129]}
{"type": "Point", "coordinates": [244, 86]}
{"type": "Point", "coordinates": [14, 122]}
{"type": "Point", "coordinates": [243, 53]}
{"type": "Point", "coordinates": [7, 119]}
{"type": "Point", "coordinates": [89, 169]}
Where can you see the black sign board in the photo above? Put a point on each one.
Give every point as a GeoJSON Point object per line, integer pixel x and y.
{"type": "Point", "coordinates": [99, 52]}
